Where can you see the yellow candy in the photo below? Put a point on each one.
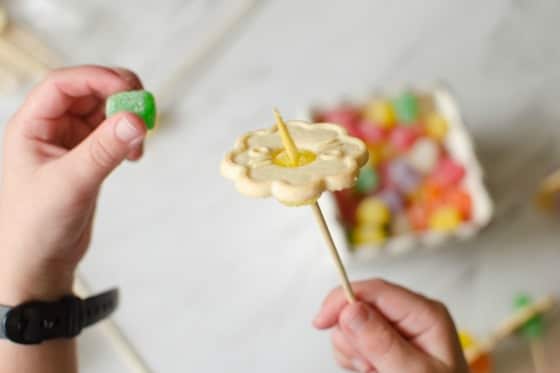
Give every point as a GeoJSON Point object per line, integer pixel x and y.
{"type": "Point", "coordinates": [445, 219]}
{"type": "Point", "coordinates": [436, 126]}
{"type": "Point", "coordinates": [375, 155]}
{"type": "Point", "coordinates": [368, 235]}
{"type": "Point", "coordinates": [381, 113]}
{"type": "Point", "coordinates": [373, 211]}
{"type": "Point", "coordinates": [467, 340]}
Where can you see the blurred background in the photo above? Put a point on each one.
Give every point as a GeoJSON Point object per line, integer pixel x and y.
{"type": "Point", "coordinates": [212, 281]}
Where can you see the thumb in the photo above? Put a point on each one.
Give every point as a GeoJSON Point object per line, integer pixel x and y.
{"type": "Point", "coordinates": [378, 342]}
{"type": "Point", "coordinates": [89, 163]}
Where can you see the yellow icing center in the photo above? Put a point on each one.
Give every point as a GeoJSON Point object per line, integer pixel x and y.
{"type": "Point", "coordinates": [282, 158]}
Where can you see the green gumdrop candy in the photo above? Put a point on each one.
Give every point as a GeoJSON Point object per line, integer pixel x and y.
{"type": "Point", "coordinates": [141, 103]}
{"type": "Point", "coordinates": [534, 327]}
{"type": "Point", "coordinates": [406, 107]}
{"type": "Point", "coordinates": [367, 180]}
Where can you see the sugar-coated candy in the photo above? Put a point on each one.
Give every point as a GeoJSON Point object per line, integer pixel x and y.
{"type": "Point", "coordinates": [404, 175]}
{"type": "Point", "coordinates": [141, 103]}
{"type": "Point", "coordinates": [436, 126]}
{"type": "Point", "coordinates": [372, 133]}
{"type": "Point", "coordinates": [393, 199]}
{"type": "Point", "coordinates": [461, 200]}
{"type": "Point", "coordinates": [368, 235]}
{"type": "Point", "coordinates": [534, 327]}
{"type": "Point", "coordinates": [347, 205]}
{"type": "Point", "coordinates": [375, 155]}
{"type": "Point", "coordinates": [467, 340]}
{"type": "Point", "coordinates": [418, 216]}
{"type": "Point", "coordinates": [368, 180]}
{"type": "Point", "coordinates": [380, 112]}
{"type": "Point", "coordinates": [424, 155]}
{"type": "Point", "coordinates": [445, 219]}
{"type": "Point", "coordinates": [346, 116]}
{"type": "Point", "coordinates": [406, 107]}
{"type": "Point", "coordinates": [448, 172]}
{"type": "Point", "coordinates": [372, 211]}
{"type": "Point", "coordinates": [482, 365]}
{"type": "Point", "coordinates": [431, 193]}
{"type": "Point", "coordinates": [402, 138]}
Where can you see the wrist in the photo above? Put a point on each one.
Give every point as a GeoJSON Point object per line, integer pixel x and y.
{"type": "Point", "coordinates": [23, 282]}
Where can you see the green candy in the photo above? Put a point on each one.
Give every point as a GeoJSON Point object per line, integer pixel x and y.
{"type": "Point", "coordinates": [141, 103]}
{"type": "Point", "coordinates": [406, 107]}
{"type": "Point", "coordinates": [367, 180]}
{"type": "Point", "coordinates": [534, 327]}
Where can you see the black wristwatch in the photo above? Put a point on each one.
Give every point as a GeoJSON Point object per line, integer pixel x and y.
{"type": "Point", "coordinates": [34, 322]}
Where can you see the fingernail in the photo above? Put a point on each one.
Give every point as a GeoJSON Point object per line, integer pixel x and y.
{"type": "Point", "coordinates": [127, 132]}
{"type": "Point", "coordinates": [360, 365]}
{"type": "Point", "coordinates": [357, 318]}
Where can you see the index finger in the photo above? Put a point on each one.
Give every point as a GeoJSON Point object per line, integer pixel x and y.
{"type": "Point", "coordinates": [55, 95]}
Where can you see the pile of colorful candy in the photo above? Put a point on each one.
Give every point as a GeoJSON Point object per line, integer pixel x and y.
{"type": "Point", "coordinates": [411, 184]}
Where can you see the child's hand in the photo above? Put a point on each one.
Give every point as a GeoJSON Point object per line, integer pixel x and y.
{"type": "Point", "coordinates": [391, 330]}
{"type": "Point", "coordinates": [58, 149]}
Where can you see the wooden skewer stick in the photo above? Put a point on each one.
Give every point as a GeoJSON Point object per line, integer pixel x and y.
{"type": "Point", "coordinates": [334, 253]}
{"type": "Point", "coordinates": [200, 57]}
{"type": "Point", "coordinates": [15, 56]}
{"type": "Point", "coordinates": [508, 327]}
{"type": "Point", "coordinates": [121, 344]}
{"type": "Point", "coordinates": [32, 45]}
{"type": "Point", "coordinates": [291, 149]}
{"type": "Point", "coordinates": [538, 353]}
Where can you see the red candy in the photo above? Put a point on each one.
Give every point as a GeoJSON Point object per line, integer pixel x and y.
{"type": "Point", "coordinates": [402, 138]}
{"type": "Point", "coordinates": [448, 172]}
{"type": "Point", "coordinates": [347, 204]}
{"type": "Point", "coordinates": [372, 133]}
{"type": "Point", "coordinates": [346, 116]}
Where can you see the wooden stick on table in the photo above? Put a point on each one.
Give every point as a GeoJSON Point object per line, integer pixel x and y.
{"type": "Point", "coordinates": [509, 326]}
{"type": "Point", "coordinates": [13, 55]}
{"type": "Point", "coordinates": [196, 59]}
{"type": "Point", "coordinates": [121, 344]}
{"type": "Point", "coordinates": [538, 353]}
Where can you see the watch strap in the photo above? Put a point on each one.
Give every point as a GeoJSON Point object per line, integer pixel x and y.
{"type": "Point", "coordinates": [36, 321]}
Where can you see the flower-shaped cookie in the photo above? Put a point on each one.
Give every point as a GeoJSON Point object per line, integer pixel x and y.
{"type": "Point", "coordinates": [327, 159]}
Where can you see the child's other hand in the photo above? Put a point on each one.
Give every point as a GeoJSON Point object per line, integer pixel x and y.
{"type": "Point", "coordinates": [391, 330]}
{"type": "Point", "coordinates": [58, 149]}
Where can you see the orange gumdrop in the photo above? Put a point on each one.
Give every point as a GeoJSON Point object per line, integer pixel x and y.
{"type": "Point", "coordinates": [430, 194]}
{"type": "Point", "coordinates": [433, 194]}
{"type": "Point", "coordinates": [461, 200]}
{"type": "Point", "coordinates": [418, 215]}
{"type": "Point", "coordinates": [482, 365]}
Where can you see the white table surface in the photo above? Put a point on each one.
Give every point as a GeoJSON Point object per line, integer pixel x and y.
{"type": "Point", "coordinates": [214, 282]}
